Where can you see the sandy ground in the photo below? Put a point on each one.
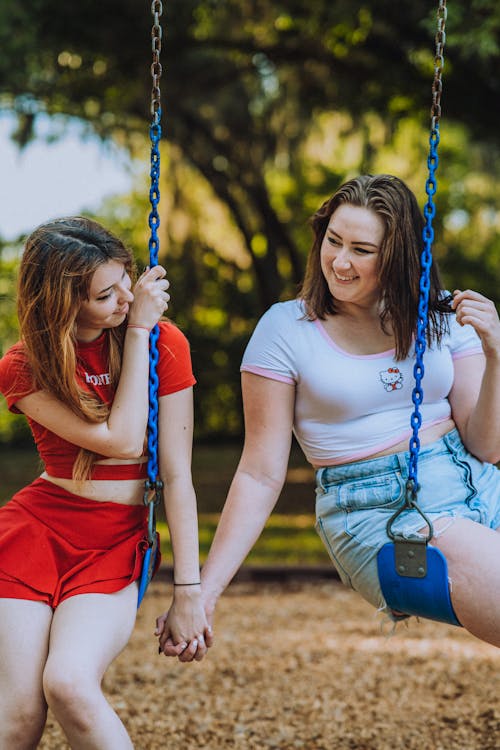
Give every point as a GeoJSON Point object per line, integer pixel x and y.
{"type": "Point", "coordinates": [305, 665]}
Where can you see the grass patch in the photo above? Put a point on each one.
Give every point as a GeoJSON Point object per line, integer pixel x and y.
{"type": "Point", "coordinates": [17, 469]}
{"type": "Point", "coordinates": [286, 540]}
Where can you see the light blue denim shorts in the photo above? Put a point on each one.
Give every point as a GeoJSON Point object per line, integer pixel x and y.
{"type": "Point", "coordinates": [355, 501]}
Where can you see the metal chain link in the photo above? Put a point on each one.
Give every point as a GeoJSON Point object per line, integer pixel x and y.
{"type": "Point", "coordinates": [437, 85]}
{"type": "Point", "coordinates": [156, 70]}
{"type": "Point", "coordinates": [426, 259]}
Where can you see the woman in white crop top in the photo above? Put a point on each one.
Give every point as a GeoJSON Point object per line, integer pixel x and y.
{"type": "Point", "coordinates": [335, 367]}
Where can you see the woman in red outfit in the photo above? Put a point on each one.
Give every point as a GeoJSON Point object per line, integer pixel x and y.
{"type": "Point", "coordinates": [72, 542]}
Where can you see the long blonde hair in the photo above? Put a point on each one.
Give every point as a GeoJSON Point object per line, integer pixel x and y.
{"type": "Point", "coordinates": [56, 270]}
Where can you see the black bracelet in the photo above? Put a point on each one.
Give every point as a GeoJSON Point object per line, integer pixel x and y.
{"type": "Point", "coordinates": [194, 583]}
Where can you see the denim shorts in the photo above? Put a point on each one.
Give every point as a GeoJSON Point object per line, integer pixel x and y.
{"type": "Point", "coordinates": [355, 501]}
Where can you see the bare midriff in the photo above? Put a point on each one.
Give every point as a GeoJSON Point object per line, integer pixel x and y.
{"type": "Point", "coordinates": [426, 436]}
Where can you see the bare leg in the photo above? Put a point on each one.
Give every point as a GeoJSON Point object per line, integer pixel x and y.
{"type": "Point", "coordinates": [88, 632]}
{"type": "Point", "coordinates": [24, 637]}
{"type": "Point", "coordinates": [473, 555]}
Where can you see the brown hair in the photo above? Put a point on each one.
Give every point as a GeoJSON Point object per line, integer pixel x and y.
{"type": "Point", "coordinates": [56, 270]}
{"type": "Point", "coordinates": [399, 269]}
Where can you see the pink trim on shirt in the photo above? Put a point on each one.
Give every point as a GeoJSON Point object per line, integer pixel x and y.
{"type": "Point", "coordinates": [337, 348]}
{"type": "Point", "coordinates": [467, 353]}
{"type": "Point", "coordinates": [267, 374]}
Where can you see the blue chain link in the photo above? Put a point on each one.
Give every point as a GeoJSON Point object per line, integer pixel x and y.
{"type": "Point", "coordinates": [423, 310]}
{"type": "Point", "coordinates": [154, 243]}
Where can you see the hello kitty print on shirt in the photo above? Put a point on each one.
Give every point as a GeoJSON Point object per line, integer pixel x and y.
{"type": "Point", "coordinates": [392, 379]}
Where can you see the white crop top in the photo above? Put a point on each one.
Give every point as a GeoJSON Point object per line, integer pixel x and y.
{"type": "Point", "coordinates": [347, 406]}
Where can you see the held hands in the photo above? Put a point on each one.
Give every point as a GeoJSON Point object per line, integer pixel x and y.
{"type": "Point", "coordinates": [474, 309]}
{"type": "Point", "coordinates": [150, 298]}
{"type": "Point", "coordinates": [184, 630]}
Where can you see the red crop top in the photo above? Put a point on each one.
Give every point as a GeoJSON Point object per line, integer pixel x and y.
{"type": "Point", "coordinates": [16, 380]}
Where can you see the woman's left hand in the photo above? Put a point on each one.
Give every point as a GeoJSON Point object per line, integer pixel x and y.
{"type": "Point", "coordinates": [184, 631]}
{"type": "Point", "coordinates": [475, 309]}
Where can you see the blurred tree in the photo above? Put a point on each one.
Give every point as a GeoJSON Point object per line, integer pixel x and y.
{"type": "Point", "coordinates": [244, 82]}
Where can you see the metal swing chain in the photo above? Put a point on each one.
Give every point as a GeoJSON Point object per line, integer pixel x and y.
{"type": "Point", "coordinates": [426, 258]}
{"type": "Point", "coordinates": [153, 485]}
{"type": "Point", "coordinates": [437, 84]}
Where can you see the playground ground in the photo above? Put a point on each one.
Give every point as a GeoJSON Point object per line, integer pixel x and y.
{"type": "Point", "coordinates": [305, 664]}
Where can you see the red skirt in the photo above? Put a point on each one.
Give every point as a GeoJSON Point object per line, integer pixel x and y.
{"type": "Point", "coordinates": [54, 544]}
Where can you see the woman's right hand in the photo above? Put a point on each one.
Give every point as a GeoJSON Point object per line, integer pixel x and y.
{"type": "Point", "coordinates": [150, 298]}
{"type": "Point", "coordinates": [473, 308]}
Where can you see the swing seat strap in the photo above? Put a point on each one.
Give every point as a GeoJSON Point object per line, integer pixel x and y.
{"type": "Point", "coordinates": [148, 568]}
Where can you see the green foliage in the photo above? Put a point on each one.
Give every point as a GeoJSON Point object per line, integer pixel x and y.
{"type": "Point", "coordinates": [8, 318]}
{"type": "Point", "coordinates": [13, 428]}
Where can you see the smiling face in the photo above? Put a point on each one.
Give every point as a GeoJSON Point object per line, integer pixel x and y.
{"type": "Point", "coordinates": [108, 302]}
{"type": "Point", "coordinates": [350, 255]}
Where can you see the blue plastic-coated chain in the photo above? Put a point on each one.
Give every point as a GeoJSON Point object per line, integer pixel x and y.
{"type": "Point", "coordinates": [423, 311]}
{"type": "Point", "coordinates": [153, 485]}
{"type": "Point", "coordinates": [154, 245]}
{"type": "Point", "coordinates": [154, 482]}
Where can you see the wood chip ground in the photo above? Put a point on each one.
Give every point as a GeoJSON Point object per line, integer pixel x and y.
{"type": "Point", "coordinates": [305, 665]}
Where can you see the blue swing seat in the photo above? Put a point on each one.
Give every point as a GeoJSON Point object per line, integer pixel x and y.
{"type": "Point", "coordinates": [425, 593]}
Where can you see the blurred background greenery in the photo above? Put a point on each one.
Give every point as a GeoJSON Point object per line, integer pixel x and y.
{"type": "Point", "coordinates": [267, 107]}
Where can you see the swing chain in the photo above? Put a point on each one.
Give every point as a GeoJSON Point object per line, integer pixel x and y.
{"type": "Point", "coordinates": [156, 69]}
{"type": "Point", "coordinates": [153, 485]}
{"type": "Point", "coordinates": [154, 243]}
{"type": "Point", "coordinates": [437, 85]}
{"type": "Point", "coordinates": [426, 256]}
